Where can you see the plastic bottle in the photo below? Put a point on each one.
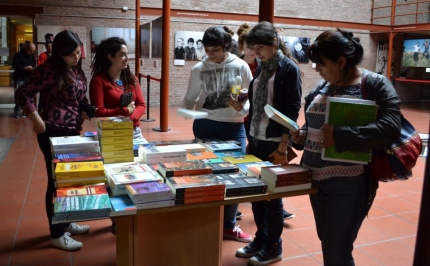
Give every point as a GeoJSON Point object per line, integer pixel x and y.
{"type": "Point", "coordinates": [236, 87]}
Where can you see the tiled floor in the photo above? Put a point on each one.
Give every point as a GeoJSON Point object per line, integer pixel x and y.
{"type": "Point", "coordinates": [386, 238]}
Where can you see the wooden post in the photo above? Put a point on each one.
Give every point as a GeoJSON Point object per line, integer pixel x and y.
{"type": "Point", "coordinates": [266, 10]}
{"type": "Point", "coordinates": [164, 93]}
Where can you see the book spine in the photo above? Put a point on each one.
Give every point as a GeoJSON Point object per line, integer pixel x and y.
{"type": "Point", "coordinates": [198, 194]}
{"type": "Point", "coordinates": [295, 176]}
{"type": "Point", "coordinates": [245, 192]}
{"type": "Point", "coordinates": [197, 189]}
{"type": "Point", "coordinates": [225, 170]}
{"type": "Point", "coordinates": [199, 199]}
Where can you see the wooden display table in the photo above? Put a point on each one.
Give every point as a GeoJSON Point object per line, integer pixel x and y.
{"type": "Point", "coordinates": [185, 235]}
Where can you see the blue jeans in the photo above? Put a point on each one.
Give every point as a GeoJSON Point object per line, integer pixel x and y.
{"type": "Point", "coordinates": [17, 108]}
{"type": "Point", "coordinates": [340, 207]}
{"type": "Point", "coordinates": [206, 128]}
{"type": "Point", "coordinates": [268, 214]}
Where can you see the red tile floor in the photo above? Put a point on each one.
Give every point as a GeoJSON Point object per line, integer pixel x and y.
{"type": "Point", "coordinates": [387, 236]}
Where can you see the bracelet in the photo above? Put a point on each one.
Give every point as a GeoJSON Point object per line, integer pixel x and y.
{"type": "Point", "coordinates": [281, 153]}
{"type": "Point", "coordinates": [34, 115]}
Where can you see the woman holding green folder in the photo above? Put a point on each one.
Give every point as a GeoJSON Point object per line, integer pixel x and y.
{"type": "Point", "coordinates": [345, 189]}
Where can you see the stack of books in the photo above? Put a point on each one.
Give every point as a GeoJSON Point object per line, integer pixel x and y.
{"type": "Point", "coordinates": [284, 178]}
{"type": "Point", "coordinates": [119, 175]}
{"type": "Point", "coordinates": [196, 189]}
{"type": "Point", "coordinates": [78, 173]}
{"type": "Point", "coordinates": [81, 203]}
{"type": "Point", "coordinates": [239, 184]}
{"type": "Point", "coordinates": [151, 195]}
{"type": "Point", "coordinates": [254, 168]}
{"type": "Point", "coordinates": [156, 154]}
{"type": "Point", "coordinates": [116, 138]}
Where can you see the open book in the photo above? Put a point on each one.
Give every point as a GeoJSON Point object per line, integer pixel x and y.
{"type": "Point", "coordinates": [349, 112]}
{"type": "Point", "coordinates": [187, 113]}
{"type": "Point", "coordinates": [282, 119]}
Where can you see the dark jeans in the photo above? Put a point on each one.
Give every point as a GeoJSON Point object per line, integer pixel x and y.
{"type": "Point", "coordinates": [268, 214]}
{"type": "Point", "coordinates": [17, 108]}
{"type": "Point", "coordinates": [340, 207]}
{"type": "Point", "coordinates": [57, 230]}
{"type": "Point", "coordinates": [206, 128]}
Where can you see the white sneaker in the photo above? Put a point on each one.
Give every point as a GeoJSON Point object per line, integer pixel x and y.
{"type": "Point", "coordinates": [66, 243]}
{"type": "Point", "coordinates": [76, 229]}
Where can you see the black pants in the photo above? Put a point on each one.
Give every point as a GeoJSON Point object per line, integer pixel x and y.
{"type": "Point", "coordinates": [57, 230]}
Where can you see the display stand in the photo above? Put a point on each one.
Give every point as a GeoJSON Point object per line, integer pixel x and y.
{"type": "Point", "coordinates": [182, 235]}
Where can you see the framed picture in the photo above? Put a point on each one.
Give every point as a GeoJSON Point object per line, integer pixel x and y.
{"type": "Point", "coordinates": [189, 45]}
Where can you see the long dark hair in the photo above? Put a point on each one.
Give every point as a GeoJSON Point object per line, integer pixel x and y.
{"type": "Point", "coordinates": [101, 62]}
{"type": "Point", "coordinates": [264, 33]}
{"type": "Point", "coordinates": [65, 43]}
{"type": "Point", "coordinates": [332, 44]}
{"type": "Point", "coordinates": [215, 36]}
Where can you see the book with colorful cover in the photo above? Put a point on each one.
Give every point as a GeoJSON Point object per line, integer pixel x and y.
{"type": "Point", "coordinates": [80, 169]}
{"type": "Point", "coordinates": [114, 122]}
{"type": "Point", "coordinates": [349, 112]}
{"type": "Point", "coordinates": [79, 204]}
{"type": "Point", "coordinates": [148, 190]}
{"type": "Point", "coordinates": [248, 158]}
{"type": "Point", "coordinates": [76, 157]}
{"type": "Point", "coordinates": [229, 153]}
{"type": "Point", "coordinates": [90, 133]}
{"type": "Point", "coordinates": [184, 184]}
{"type": "Point", "coordinates": [192, 156]}
{"type": "Point", "coordinates": [217, 141]}
{"type": "Point", "coordinates": [122, 205]}
{"type": "Point", "coordinates": [169, 169]}
{"type": "Point", "coordinates": [72, 142]}
{"type": "Point", "coordinates": [279, 117]}
{"type": "Point", "coordinates": [214, 160]}
{"type": "Point", "coordinates": [81, 190]}
{"type": "Point", "coordinates": [244, 167]}
{"type": "Point", "coordinates": [239, 184]}
{"type": "Point", "coordinates": [224, 167]}
{"type": "Point", "coordinates": [222, 147]}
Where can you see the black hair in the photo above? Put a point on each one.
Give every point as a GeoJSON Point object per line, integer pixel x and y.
{"type": "Point", "coordinates": [264, 33]}
{"type": "Point", "coordinates": [101, 62]}
{"type": "Point", "coordinates": [199, 40]}
{"type": "Point", "coordinates": [215, 36]}
{"type": "Point", "coordinates": [65, 43]}
{"type": "Point", "coordinates": [48, 36]}
{"type": "Point", "coordinates": [333, 44]}
{"type": "Point", "coordinates": [190, 40]}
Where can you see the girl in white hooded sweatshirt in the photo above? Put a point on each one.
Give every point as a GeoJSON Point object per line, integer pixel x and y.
{"type": "Point", "coordinates": [209, 90]}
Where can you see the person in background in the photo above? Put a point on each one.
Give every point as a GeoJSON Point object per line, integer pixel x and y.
{"type": "Point", "coordinates": [253, 61]}
{"type": "Point", "coordinates": [45, 55]}
{"type": "Point", "coordinates": [179, 49]}
{"type": "Point", "coordinates": [209, 90]}
{"type": "Point", "coordinates": [62, 85]}
{"type": "Point", "coordinates": [278, 83]}
{"type": "Point", "coordinates": [200, 51]}
{"type": "Point", "coordinates": [23, 65]}
{"type": "Point", "coordinates": [111, 77]}
{"type": "Point", "coordinates": [345, 190]}
{"type": "Point", "coordinates": [49, 37]}
{"type": "Point", "coordinates": [190, 50]}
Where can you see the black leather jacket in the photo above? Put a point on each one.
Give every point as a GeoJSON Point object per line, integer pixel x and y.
{"type": "Point", "coordinates": [383, 132]}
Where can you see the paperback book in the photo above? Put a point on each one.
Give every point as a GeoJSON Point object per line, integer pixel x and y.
{"type": "Point", "coordinates": [157, 154]}
{"type": "Point", "coordinates": [82, 190]}
{"type": "Point", "coordinates": [195, 183]}
{"type": "Point", "coordinates": [116, 122]}
{"type": "Point", "coordinates": [155, 204]}
{"type": "Point", "coordinates": [76, 157]}
{"type": "Point", "coordinates": [248, 158]}
{"type": "Point", "coordinates": [239, 184]}
{"type": "Point", "coordinates": [245, 167]}
{"type": "Point", "coordinates": [148, 190]}
{"type": "Point", "coordinates": [282, 119]}
{"type": "Point", "coordinates": [122, 205]}
{"type": "Point", "coordinates": [170, 169]}
{"type": "Point", "coordinates": [286, 172]}
{"type": "Point", "coordinates": [224, 167]}
{"type": "Point", "coordinates": [349, 112]}
{"type": "Point", "coordinates": [126, 168]}
{"type": "Point", "coordinates": [121, 180]}
{"type": "Point", "coordinates": [73, 142]}
{"type": "Point", "coordinates": [192, 156]}
{"type": "Point", "coordinates": [229, 153]}
{"type": "Point", "coordinates": [79, 204]}
{"type": "Point", "coordinates": [222, 147]}
{"type": "Point", "coordinates": [80, 169]}
{"type": "Point", "coordinates": [111, 133]}
{"type": "Point", "coordinates": [202, 199]}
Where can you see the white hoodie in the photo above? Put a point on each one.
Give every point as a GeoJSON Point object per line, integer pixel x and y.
{"type": "Point", "coordinates": [210, 85]}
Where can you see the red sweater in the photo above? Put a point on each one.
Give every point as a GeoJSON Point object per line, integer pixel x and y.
{"type": "Point", "coordinates": [105, 96]}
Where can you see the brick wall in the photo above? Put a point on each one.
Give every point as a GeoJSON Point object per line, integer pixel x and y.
{"type": "Point", "coordinates": [108, 13]}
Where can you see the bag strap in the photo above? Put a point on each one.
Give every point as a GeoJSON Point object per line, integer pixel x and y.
{"type": "Point", "coordinates": [363, 86]}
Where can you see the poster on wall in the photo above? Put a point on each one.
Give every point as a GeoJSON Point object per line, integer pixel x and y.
{"type": "Point", "coordinates": [382, 58]}
{"type": "Point", "coordinates": [188, 46]}
{"type": "Point", "coordinates": [128, 34]}
{"type": "Point", "coordinates": [145, 40]}
{"type": "Point", "coordinates": [43, 31]}
{"type": "Point", "coordinates": [416, 53]}
{"type": "Point", "coordinates": [156, 37]}
{"type": "Point", "coordinates": [298, 46]}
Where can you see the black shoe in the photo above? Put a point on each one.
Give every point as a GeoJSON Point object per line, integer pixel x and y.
{"type": "Point", "coordinates": [239, 215]}
{"type": "Point", "coordinates": [266, 257]}
{"type": "Point", "coordinates": [248, 251]}
{"type": "Point", "coordinates": [288, 215]}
